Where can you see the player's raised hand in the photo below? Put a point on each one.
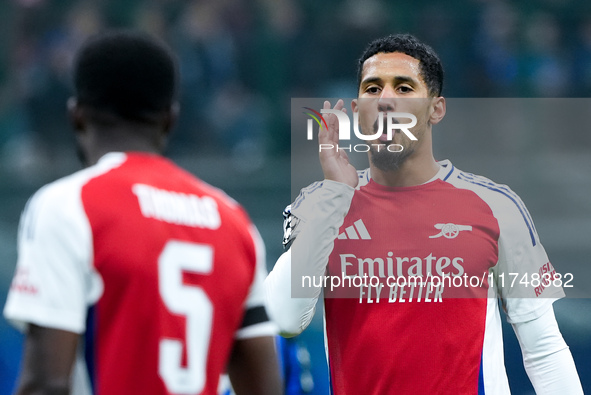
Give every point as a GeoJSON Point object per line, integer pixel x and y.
{"type": "Point", "coordinates": [335, 163]}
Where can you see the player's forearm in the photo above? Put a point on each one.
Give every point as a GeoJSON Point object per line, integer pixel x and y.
{"type": "Point", "coordinates": [291, 300]}
{"type": "Point", "coordinates": [48, 359]}
{"type": "Point", "coordinates": [254, 367]}
{"type": "Point", "coordinates": [546, 357]}
{"type": "Point", "coordinates": [291, 314]}
{"type": "Point", "coordinates": [36, 387]}
{"type": "Point", "coordinates": [321, 214]}
{"type": "Point", "coordinates": [554, 374]}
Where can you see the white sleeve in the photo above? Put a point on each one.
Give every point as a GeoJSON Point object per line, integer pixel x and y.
{"type": "Point", "coordinates": [256, 322]}
{"type": "Point", "coordinates": [524, 272]}
{"type": "Point", "coordinates": [320, 210]}
{"type": "Point", "coordinates": [546, 357]}
{"type": "Point", "coordinates": [54, 281]}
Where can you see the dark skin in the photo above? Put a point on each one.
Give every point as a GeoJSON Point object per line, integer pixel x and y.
{"type": "Point", "coordinates": [100, 132]}
{"type": "Point", "coordinates": [49, 354]}
{"type": "Point", "coordinates": [253, 367]}
{"type": "Point", "coordinates": [47, 361]}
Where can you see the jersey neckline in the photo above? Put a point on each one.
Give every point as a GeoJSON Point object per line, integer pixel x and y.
{"type": "Point", "coordinates": [445, 170]}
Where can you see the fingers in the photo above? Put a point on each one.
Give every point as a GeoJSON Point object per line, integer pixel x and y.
{"type": "Point", "coordinates": [338, 106]}
{"type": "Point", "coordinates": [334, 161]}
{"type": "Point", "coordinates": [331, 135]}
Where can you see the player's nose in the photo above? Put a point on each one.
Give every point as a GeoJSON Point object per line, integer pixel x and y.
{"type": "Point", "coordinates": [386, 102]}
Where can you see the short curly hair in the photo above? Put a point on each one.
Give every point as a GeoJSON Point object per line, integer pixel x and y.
{"type": "Point", "coordinates": [127, 73]}
{"type": "Point", "coordinates": [430, 64]}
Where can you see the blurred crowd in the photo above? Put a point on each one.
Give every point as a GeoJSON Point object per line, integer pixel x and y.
{"type": "Point", "coordinates": [243, 60]}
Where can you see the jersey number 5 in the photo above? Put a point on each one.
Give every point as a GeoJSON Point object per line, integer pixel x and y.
{"type": "Point", "coordinates": [192, 302]}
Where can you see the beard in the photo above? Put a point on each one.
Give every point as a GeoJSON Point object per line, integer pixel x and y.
{"type": "Point", "coordinates": [389, 161]}
{"type": "Point", "coordinates": [385, 160]}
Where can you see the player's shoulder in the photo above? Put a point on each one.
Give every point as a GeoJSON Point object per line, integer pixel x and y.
{"type": "Point", "coordinates": [57, 205]}
{"type": "Point", "coordinates": [222, 198]}
{"type": "Point", "coordinates": [505, 204]}
{"type": "Point", "coordinates": [60, 192]}
{"type": "Point", "coordinates": [493, 193]}
{"type": "Point", "coordinates": [231, 213]}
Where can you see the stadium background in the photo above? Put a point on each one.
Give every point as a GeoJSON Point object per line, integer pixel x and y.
{"type": "Point", "coordinates": [242, 62]}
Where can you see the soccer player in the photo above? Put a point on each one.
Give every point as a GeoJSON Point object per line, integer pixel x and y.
{"type": "Point", "coordinates": [162, 272]}
{"type": "Point", "coordinates": [410, 215]}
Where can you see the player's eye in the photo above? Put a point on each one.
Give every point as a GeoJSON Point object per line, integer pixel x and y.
{"type": "Point", "coordinates": [373, 89]}
{"type": "Point", "coordinates": [405, 89]}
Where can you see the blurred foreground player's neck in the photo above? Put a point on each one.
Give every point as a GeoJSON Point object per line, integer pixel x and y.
{"type": "Point", "coordinates": [99, 132]}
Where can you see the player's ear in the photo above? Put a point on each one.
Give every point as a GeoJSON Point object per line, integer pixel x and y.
{"type": "Point", "coordinates": [437, 110]}
{"type": "Point", "coordinates": [354, 105]}
{"type": "Point", "coordinates": [75, 115]}
{"type": "Point", "coordinates": [171, 117]}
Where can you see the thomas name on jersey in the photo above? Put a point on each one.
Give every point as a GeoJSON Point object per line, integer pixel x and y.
{"type": "Point", "coordinates": [177, 208]}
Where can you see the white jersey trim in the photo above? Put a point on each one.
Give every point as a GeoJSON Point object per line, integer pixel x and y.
{"type": "Point", "coordinates": [261, 329]}
{"type": "Point", "coordinates": [519, 249]}
{"type": "Point", "coordinates": [55, 281]}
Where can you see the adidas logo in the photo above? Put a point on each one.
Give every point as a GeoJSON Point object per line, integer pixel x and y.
{"type": "Point", "coordinates": [355, 232]}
